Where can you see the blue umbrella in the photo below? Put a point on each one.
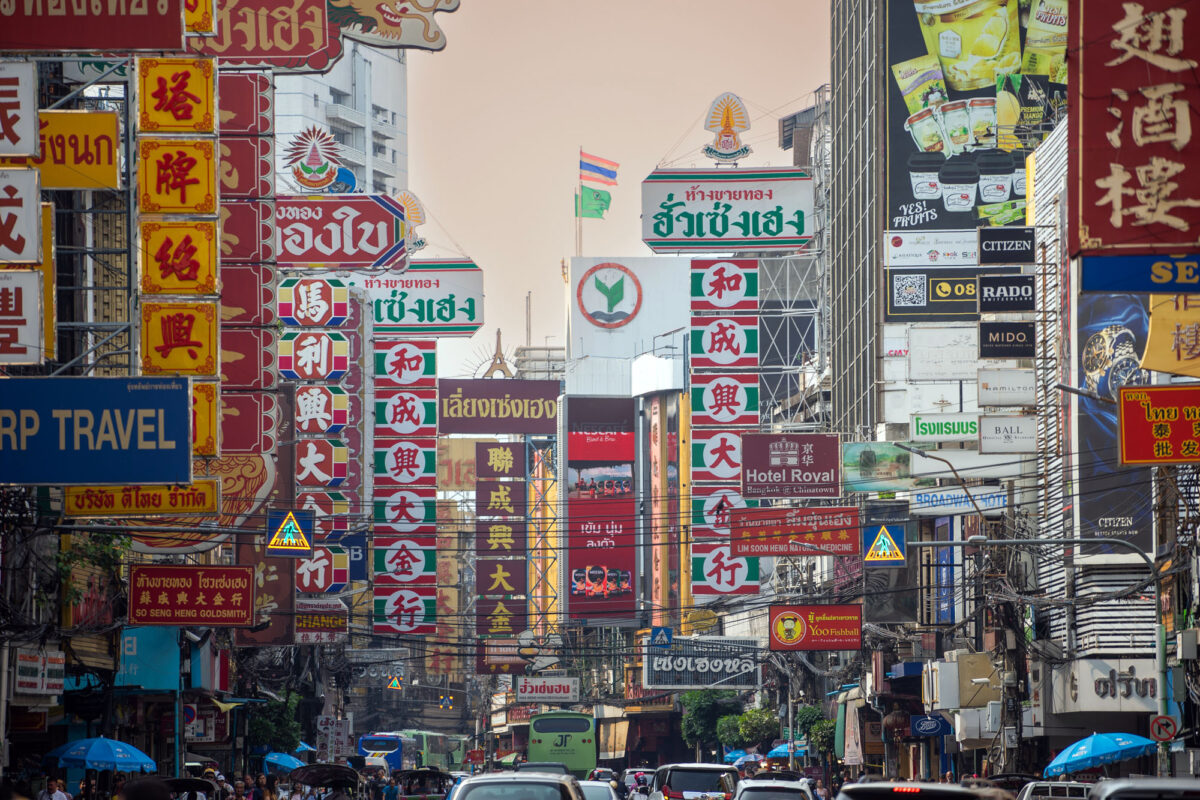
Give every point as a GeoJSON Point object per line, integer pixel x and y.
{"type": "Point", "coordinates": [283, 761]}
{"type": "Point", "coordinates": [101, 753]}
{"type": "Point", "coordinates": [747, 757]}
{"type": "Point", "coordinates": [734, 755]}
{"type": "Point", "coordinates": [780, 751]}
{"type": "Point", "coordinates": [1097, 749]}
{"type": "Point", "coordinates": [305, 747]}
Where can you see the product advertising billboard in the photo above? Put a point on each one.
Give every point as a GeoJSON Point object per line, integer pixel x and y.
{"type": "Point", "coordinates": [973, 86]}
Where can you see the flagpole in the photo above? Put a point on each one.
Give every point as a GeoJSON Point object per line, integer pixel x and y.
{"type": "Point", "coordinates": [579, 209]}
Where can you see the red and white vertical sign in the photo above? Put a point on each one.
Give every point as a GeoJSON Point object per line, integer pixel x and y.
{"type": "Point", "coordinates": [18, 108]}
{"type": "Point", "coordinates": [1133, 170]}
{"type": "Point", "coordinates": [21, 311]}
{"type": "Point", "coordinates": [20, 216]}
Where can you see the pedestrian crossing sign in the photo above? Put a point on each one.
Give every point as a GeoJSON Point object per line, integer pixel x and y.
{"type": "Point", "coordinates": [660, 637]}
{"type": "Point", "coordinates": [291, 533]}
{"type": "Point", "coordinates": [884, 546]}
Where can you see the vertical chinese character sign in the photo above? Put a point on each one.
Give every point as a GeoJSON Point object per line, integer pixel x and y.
{"type": "Point", "coordinates": [1133, 162]}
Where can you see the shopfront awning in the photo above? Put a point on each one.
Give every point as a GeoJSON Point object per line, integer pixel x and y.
{"type": "Point", "coordinates": [509, 759]}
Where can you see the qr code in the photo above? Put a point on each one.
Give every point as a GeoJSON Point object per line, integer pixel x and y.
{"type": "Point", "coordinates": [909, 291]}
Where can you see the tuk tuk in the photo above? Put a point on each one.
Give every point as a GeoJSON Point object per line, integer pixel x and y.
{"type": "Point", "coordinates": [342, 781]}
{"type": "Point", "coordinates": [424, 783]}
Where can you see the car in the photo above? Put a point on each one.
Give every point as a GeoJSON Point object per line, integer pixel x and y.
{"type": "Point", "coordinates": [602, 774]}
{"type": "Point", "coordinates": [888, 790]}
{"type": "Point", "coordinates": [1146, 789]}
{"type": "Point", "coordinates": [552, 767]}
{"type": "Point", "coordinates": [1054, 790]}
{"type": "Point", "coordinates": [755, 789]}
{"type": "Point", "coordinates": [519, 786]}
{"type": "Point", "coordinates": [628, 781]}
{"type": "Point", "coordinates": [598, 790]}
{"type": "Point", "coordinates": [694, 782]}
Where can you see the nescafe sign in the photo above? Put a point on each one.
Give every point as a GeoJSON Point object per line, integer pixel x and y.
{"type": "Point", "coordinates": [1005, 245]}
{"type": "Point", "coordinates": [999, 294]}
{"type": "Point", "coordinates": [1007, 339]}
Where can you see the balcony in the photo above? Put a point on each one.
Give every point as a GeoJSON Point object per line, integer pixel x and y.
{"type": "Point", "coordinates": [352, 155]}
{"type": "Point", "coordinates": [383, 166]}
{"type": "Point", "coordinates": [383, 129]}
{"type": "Point", "coordinates": [346, 114]}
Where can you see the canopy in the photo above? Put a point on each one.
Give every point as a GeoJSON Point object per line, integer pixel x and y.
{"type": "Point", "coordinates": [334, 776]}
{"type": "Point", "coordinates": [781, 751]}
{"type": "Point", "coordinates": [747, 757]}
{"type": "Point", "coordinates": [305, 747]}
{"type": "Point", "coordinates": [101, 753]}
{"type": "Point", "coordinates": [1097, 749]}
{"type": "Point", "coordinates": [510, 759]}
{"type": "Point", "coordinates": [734, 755]}
{"type": "Point", "coordinates": [282, 761]}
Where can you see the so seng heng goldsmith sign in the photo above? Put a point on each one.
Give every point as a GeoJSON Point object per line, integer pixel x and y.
{"type": "Point", "coordinates": [687, 210]}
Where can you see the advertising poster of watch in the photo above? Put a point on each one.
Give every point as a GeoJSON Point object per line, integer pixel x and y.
{"type": "Point", "coordinates": [973, 86]}
{"type": "Point", "coordinates": [1112, 500]}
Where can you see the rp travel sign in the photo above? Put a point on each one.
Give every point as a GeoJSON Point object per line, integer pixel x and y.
{"type": "Point", "coordinates": [69, 431]}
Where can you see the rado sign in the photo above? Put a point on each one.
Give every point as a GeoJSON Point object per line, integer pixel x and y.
{"type": "Point", "coordinates": [1007, 339]}
{"type": "Point", "coordinates": [1004, 245]}
{"type": "Point", "coordinates": [999, 294]}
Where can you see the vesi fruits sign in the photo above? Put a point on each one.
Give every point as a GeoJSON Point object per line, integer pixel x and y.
{"type": "Point", "coordinates": [546, 690]}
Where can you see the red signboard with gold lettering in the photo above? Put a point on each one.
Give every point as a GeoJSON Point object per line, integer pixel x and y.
{"type": "Point", "coordinates": [248, 358]}
{"type": "Point", "coordinates": [286, 35]}
{"type": "Point", "coordinates": [247, 166]}
{"type": "Point", "coordinates": [177, 176]}
{"type": "Point", "coordinates": [206, 428]}
{"type": "Point", "coordinates": [58, 25]}
{"type": "Point", "coordinates": [1160, 424]}
{"type": "Point", "coordinates": [247, 231]}
{"type": "Point", "coordinates": [1134, 92]}
{"type": "Point", "coordinates": [176, 95]}
{"type": "Point", "coordinates": [247, 294]}
{"type": "Point", "coordinates": [208, 596]}
{"type": "Point", "coordinates": [247, 104]}
{"type": "Point", "coordinates": [178, 256]}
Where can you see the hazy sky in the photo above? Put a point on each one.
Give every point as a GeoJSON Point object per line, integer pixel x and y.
{"type": "Point", "coordinates": [497, 118]}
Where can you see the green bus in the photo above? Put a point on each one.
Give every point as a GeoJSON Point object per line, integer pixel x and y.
{"type": "Point", "coordinates": [566, 737]}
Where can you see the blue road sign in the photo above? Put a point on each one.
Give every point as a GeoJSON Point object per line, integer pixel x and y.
{"type": "Point", "coordinates": [660, 637]}
{"type": "Point", "coordinates": [72, 431]}
{"type": "Point", "coordinates": [1161, 274]}
{"type": "Point", "coordinates": [290, 532]}
{"type": "Point", "coordinates": [883, 545]}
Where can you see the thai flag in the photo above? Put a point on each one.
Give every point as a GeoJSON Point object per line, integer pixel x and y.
{"type": "Point", "coordinates": [597, 170]}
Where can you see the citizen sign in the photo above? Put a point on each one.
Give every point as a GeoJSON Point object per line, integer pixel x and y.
{"type": "Point", "coordinates": [547, 690]}
{"type": "Point", "coordinates": [1005, 245]}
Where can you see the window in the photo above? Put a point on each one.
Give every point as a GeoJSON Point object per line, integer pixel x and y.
{"type": "Point", "coordinates": [378, 744]}
{"type": "Point", "coordinates": [341, 98]}
{"type": "Point", "coordinates": [316, 99]}
{"type": "Point", "coordinates": [516, 790]}
{"type": "Point", "coordinates": [562, 725]}
{"type": "Point", "coordinates": [694, 780]}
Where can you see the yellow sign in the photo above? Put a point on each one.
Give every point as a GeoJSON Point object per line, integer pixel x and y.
{"type": "Point", "coordinates": [178, 257]}
{"type": "Point", "coordinates": [179, 338]}
{"type": "Point", "coordinates": [199, 17]}
{"type": "Point", "coordinates": [202, 496]}
{"type": "Point", "coordinates": [177, 176]}
{"type": "Point", "coordinates": [206, 407]}
{"type": "Point", "coordinates": [884, 549]}
{"type": "Point", "coordinates": [49, 311]}
{"type": "Point", "coordinates": [176, 95]}
{"type": "Point", "coordinates": [1173, 344]}
{"type": "Point", "coordinates": [289, 537]}
{"type": "Point", "coordinates": [78, 150]}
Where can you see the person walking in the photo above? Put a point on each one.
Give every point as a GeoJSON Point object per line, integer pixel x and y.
{"type": "Point", "coordinates": [52, 792]}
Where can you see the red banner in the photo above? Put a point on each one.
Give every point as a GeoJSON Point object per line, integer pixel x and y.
{"type": "Point", "coordinates": [795, 531]}
{"type": "Point", "coordinates": [816, 627]}
{"type": "Point", "coordinates": [247, 166]}
{"type": "Point", "coordinates": [247, 294]}
{"type": "Point", "coordinates": [247, 104]}
{"type": "Point", "coordinates": [1134, 91]}
{"type": "Point", "coordinates": [287, 35]}
{"type": "Point", "coordinates": [94, 26]}
{"type": "Point", "coordinates": [340, 231]}
{"type": "Point", "coordinates": [1160, 424]}
{"type": "Point", "coordinates": [208, 596]}
{"type": "Point", "coordinates": [247, 231]}
{"type": "Point", "coordinates": [248, 358]}
{"type": "Point", "coordinates": [600, 560]}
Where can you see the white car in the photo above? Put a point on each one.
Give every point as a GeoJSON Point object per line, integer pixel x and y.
{"type": "Point", "coordinates": [598, 790]}
{"type": "Point", "coordinates": [694, 782]}
{"type": "Point", "coordinates": [751, 789]}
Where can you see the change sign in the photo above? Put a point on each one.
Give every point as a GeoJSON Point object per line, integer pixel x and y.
{"type": "Point", "coordinates": [70, 431]}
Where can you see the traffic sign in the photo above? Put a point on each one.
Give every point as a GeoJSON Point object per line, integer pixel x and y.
{"type": "Point", "coordinates": [291, 533]}
{"type": "Point", "coordinates": [660, 637]}
{"type": "Point", "coordinates": [884, 545]}
{"type": "Point", "coordinates": [1163, 728]}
